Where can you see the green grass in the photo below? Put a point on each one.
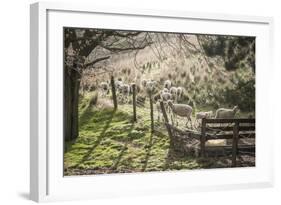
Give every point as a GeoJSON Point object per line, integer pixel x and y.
{"type": "Point", "coordinates": [109, 142]}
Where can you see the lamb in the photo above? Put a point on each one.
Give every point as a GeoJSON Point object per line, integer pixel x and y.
{"type": "Point", "coordinates": [179, 93]}
{"type": "Point", "coordinates": [167, 84]}
{"type": "Point", "coordinates": [150, 86]}
{"type": "Point", "coordinates": [118, 85]}
{"type": "Point", "coordinates": [143, 83]}
{"type": "Point", "coordinates": [182, 110]}
{"type": "Point", "coordinates": [226, 113]}
{"type": "Point", "coordinates": [173, 91]}
{"type": "Point", "coordinates": [201, 115]}
{"type": "Point", "coordinates": [165, 96]}
{"type": "Point", "coordinates": [165, 90]}
{"type": "Point", "coordinates": [125, 91]}
{"type": "Point", "coordinates": [104, 88]}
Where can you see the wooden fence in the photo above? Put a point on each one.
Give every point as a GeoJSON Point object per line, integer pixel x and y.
{"type": "Point", "coordinates": [189, 141]}
{"type": "Point", "coordinates": [235, 129]}
{"type": "Point", "coordinates": [133, 102]}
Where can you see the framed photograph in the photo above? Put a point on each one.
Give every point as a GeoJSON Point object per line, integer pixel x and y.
{"type": "Point", "coordinates": [128, 102]}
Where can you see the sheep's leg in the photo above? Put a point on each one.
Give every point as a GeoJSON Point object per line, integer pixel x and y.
{"type": "Point", "coordinates": [197, 123]}
{"type": "Point", "coordinates": [172, 119]}
{"type": "Point", "coordinates": [191, 123]}
{"type": "Point", "coordinates": [175, 120]}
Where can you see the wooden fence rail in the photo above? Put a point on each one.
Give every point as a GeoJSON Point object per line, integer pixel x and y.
{"type": "Point", "coordinates": [222, 132]}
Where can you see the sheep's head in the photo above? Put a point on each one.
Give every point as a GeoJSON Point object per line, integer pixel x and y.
{"type": "Point", "coordinates": [165, 90]}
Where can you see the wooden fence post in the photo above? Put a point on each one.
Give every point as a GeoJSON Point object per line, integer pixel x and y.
{"type": "Point", "coordinates": [167, 124]}
{"type": "Point", "coordinates": [203, 137]}
{"type": "Point", "coordinates": [134, 102]}
{"type": "Point", "coordinates": [151, 112]}
{"type": "Point", "coordinates": [113, 89]}
{"type": "Point", "coordinates": [235, 143]}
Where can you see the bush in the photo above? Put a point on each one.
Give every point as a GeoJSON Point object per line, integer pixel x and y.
{"type": "Point", "coordinates": [243, 95]}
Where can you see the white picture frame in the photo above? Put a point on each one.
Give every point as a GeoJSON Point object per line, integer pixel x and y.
{"type": "Point", "coordinates": [47, 182]}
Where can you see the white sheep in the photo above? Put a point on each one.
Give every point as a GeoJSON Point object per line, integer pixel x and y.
{"type": "Point", "coordinates": [125, 92]}
{"type": "Point", "coordinates": [226, 113]}
{"type": "Point", "coordinates": [150, 86]}
{"type": "Point", "coordinates": [165, 90]}
{"type": "Point", "coordinates": [173, 91]}
{"type": "Point", "coordinates": [182, 110]}
{"type": "Point", "coordinates": [179, 93]}
{"type": "Point", "coordinates": [167, 84]}
{"type": "Point", "coordinates": [118, 86]}
{"type": "Point", "coordinates": [104, 88]}
{"type": "Point", "coordinates": [143, 83]}
{"type": "Point", "coordinates": [165, 96]}
{"type": "Point", "coordinates": [201, 115]}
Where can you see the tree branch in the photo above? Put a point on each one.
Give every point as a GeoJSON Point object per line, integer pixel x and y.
{"type": "Point", "coordinates": [96, 61]}
{"type": "Point", "coordinates": [118, 49]}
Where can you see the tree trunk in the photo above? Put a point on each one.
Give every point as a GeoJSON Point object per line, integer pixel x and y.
{"type": "Point", "coordinates": [71, 100]}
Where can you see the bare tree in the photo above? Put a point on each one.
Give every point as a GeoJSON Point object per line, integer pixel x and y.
{"type": "Point", "coordinates": [83, 49]}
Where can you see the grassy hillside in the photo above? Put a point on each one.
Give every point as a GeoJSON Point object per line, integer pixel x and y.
{"type": "Point", "coordinates": [206, 81]}
{"type": "Point", "coordinates": [109, 142]}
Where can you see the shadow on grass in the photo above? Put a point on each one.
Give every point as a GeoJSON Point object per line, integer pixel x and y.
{"type": "Point", "coordinates": [99, 138]}
{"type": "Point", "coordinates": [118, 159]}
{"type": "Point", "coordinates": [149, 145]}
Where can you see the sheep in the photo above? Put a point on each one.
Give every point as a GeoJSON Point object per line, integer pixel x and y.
{"type": "Point", "coordinates": [173, 91]}
{"type": "Point", "coordinates": [125, 88]}
{"type": "Point", "coordinates": [150, 86]}
{"type": "Point", "coordinates": [165, 90]}
{"type": "Point", "coordinates": [118, 86]}
{"type": "Point", "coordinates": [201, 115]}
{"type": "Point", "coordinates": [165, 96]}
{"type": "Point", "coordinates": [143, 83]}
{"type": "Point", "coordinates": [182, 110]}
{"type": "Point", "coordinates": [104, 88]}
{"type": "Point", "coordinates": [167, 84]}
{"type": "Point", "coordinates": [226, 113]}
{"type": "Point", "coordinates": [179, 93]}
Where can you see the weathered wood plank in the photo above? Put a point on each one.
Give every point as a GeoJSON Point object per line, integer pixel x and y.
{"type": "Point", "coordinates": [230, 128]}
{"type": "Point", "coordinates": [221, 120]}
{"type": "Point", "coordinates": [235, 143]}
{"type": "Point", "coordinates": [229, 136]}
{"type": "Point", "coordinates": [203, 138]}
